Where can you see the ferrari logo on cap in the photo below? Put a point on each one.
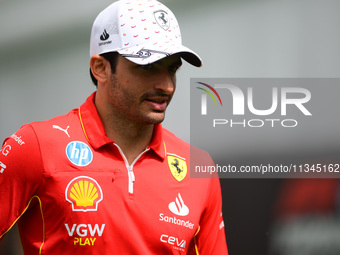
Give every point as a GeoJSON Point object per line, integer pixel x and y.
{"type": "Point", "coordinates": [178, 167]}
{"type": "Point", "coordinates": [162, 19]}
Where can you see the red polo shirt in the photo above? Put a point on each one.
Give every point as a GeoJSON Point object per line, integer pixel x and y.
{"type": "Point", "coordinates": [72, 191]}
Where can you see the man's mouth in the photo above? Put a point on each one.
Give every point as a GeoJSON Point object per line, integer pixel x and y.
{"type": "Point", "coordinates": [158, 103]}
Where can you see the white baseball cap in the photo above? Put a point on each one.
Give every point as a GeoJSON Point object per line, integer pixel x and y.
{"type": "Point", "coordinates": [143, 31]}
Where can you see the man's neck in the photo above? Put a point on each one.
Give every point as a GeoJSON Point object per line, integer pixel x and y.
{"type": "Point", "coordinates": [131, 137]}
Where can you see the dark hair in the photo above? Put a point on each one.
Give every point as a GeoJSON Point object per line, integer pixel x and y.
{"type": "Point", "coordinates": [112, 57]}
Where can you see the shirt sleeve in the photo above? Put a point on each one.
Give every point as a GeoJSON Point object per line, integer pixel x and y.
{"type": "Point", "coordinates": [210, 238]}
{"type": "Point", "coordinates": [20, 175]}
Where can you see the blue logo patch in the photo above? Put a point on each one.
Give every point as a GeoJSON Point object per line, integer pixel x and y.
{"type": "Point", "coordinates": [79, 153]}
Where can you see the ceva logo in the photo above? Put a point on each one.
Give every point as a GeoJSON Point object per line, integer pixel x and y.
{"type": "Point", "coordinates": [176, 242]}
{"type": "Point", "coordinates": [84, 193]}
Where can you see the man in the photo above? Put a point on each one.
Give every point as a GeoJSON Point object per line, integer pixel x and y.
{"type": "Point", "coordinates": [107, 178]}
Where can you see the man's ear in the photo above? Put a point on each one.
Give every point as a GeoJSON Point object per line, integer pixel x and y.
{"type": "Point", "coordinates": [100, 68]}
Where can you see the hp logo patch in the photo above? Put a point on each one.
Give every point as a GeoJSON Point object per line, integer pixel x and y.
{"type": "Point", "coordinates": [79, 153]}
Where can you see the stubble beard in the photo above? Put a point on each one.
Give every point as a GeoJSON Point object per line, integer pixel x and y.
{"type": "Point", "coordinates": [124, 107]}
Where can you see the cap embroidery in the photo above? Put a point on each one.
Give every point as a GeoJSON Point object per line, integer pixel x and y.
{"type": "Point", "coordinates": [104, 36]}
{"type": "Point", "coordinates": [162, 19]}
{"type": "Point", "coordinates": [145, 53]}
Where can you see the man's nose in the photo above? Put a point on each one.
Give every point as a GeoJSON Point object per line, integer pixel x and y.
{"type": "Point", "coordinates": [166, 82]}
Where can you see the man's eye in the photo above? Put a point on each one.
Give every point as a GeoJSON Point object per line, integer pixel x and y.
{"type": "Point", "coordinates": [174, 68]}
{"type": "Point", "coordinates": [146, 67]}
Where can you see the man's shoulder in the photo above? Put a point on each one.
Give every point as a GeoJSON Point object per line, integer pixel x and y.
{"type": "Point", "coordinates": [171, 138]}
{"type": "Point", "coordinates": [196, 157]}
{"type": "Point", "coordinates": [174, 143]}
{"type": "Point", "coordinates": [48, 130]}
{"type": "Point", "coordinates": [60, 119]}
{"type": "Point", "coordinates": [60, 122]}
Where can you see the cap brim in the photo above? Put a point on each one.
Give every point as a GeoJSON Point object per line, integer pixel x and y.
{"type": "Point", "coordinates": [147, 54]}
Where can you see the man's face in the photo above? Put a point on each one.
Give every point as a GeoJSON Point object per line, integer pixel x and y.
{"type": "Point", "coordinates": [141, 93]}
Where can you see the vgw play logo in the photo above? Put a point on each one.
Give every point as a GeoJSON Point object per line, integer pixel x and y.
{"type": "Point", "coordinates": [294, 98]}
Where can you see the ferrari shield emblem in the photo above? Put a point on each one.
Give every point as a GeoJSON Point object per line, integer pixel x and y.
{"type": "Point", "coordinates": [162, 19]}
{"type": "Point", "coordinates": [178, 167]}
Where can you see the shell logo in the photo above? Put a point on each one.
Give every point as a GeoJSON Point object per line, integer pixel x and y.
{"type": "Point", "coordinates": [84, 193]}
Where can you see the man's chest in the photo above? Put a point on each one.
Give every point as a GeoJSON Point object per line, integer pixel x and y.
{"type": "Point", "coordinates": [86, 199]}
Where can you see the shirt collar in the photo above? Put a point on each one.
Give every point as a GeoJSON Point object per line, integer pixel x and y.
{"type": "Point", "coordinates": [157, 143]}
{"type": "Point", "coordinates": [95, 133]}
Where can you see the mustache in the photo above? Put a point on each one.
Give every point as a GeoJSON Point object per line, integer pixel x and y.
{"type": "Point", "coordinates": [156, 94]}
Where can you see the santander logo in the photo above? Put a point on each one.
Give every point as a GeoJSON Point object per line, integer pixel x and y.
{"type": "Point", "coordinates": [178, 207]}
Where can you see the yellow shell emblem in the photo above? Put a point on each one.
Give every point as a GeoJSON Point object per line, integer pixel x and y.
{"type": "Point", "coordinates": [178, 167]}
{"type": "Point", "coordinates": [84, 193]}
